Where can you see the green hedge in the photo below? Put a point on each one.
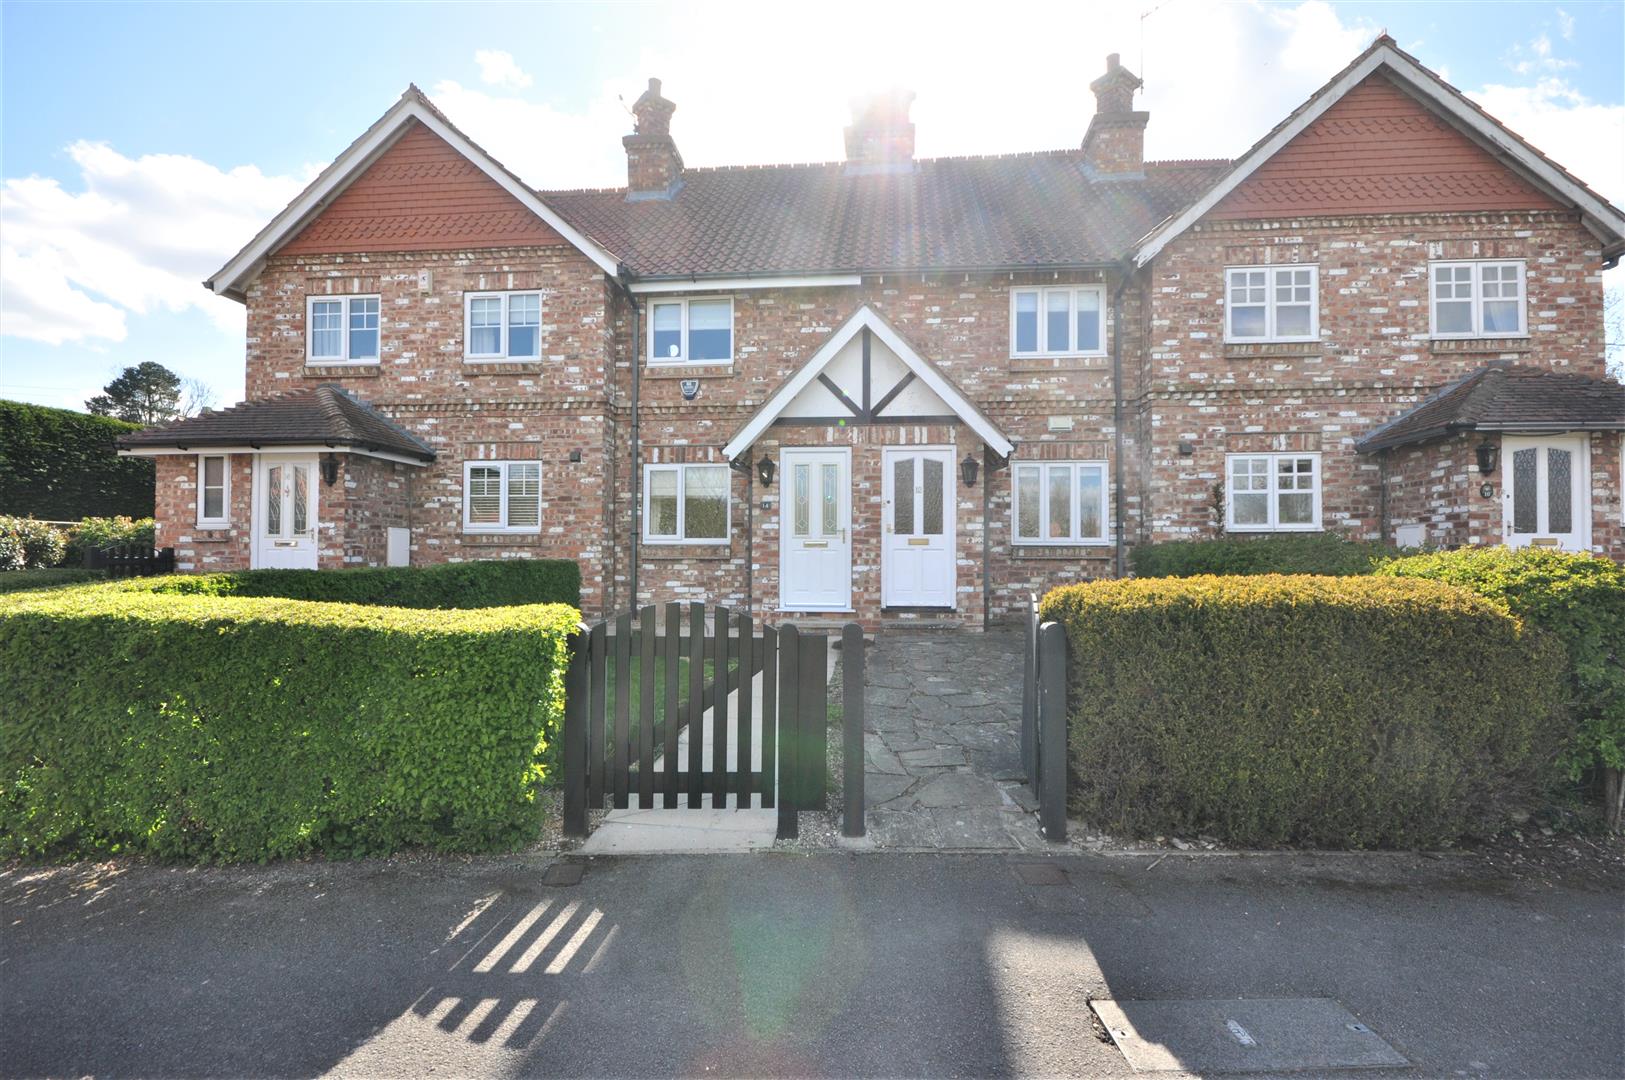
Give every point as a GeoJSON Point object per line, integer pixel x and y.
{"type": "Point", "coordinates": [27, 544]}
{"type": "Point", "coordinates": [223, 728]}
{"type": "Point", "coordinates": [490, 583]}
{"type": "Point", "coordinates": [62, 465]}
{"type": "Point", "coordinates": [101, 532]}
{"type": "Point", "coordinates": [1578, 598]}
{"type": "Point", "coordinates": [1325, 554]}
{"type": "Point", "coordinates": [1337, 712]}
{"type": "Point", "coordinates": [19, 580]}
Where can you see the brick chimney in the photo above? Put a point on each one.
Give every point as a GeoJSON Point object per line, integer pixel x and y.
{"type": "Point", "coordinates": [654, 168]}
{"type": "Point", "coordinates": [1115, 142]}
{"type": "Point", "coordinates": [881, 136]}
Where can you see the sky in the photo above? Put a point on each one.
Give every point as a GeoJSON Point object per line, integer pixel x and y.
{"type": "Point", "coordinates": [141, 145]}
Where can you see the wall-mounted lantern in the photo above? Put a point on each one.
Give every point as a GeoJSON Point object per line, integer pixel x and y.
{"type": "Point", "coordinates": [967, 470]}
{"type": "Point", "coordinates": [765, 469]}
{"type": "Point", "coordinates": [330, 469]}
{"type": "Point", "coordinates": [1487, 452]}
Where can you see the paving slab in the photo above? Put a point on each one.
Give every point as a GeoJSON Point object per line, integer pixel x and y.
{"type": "Point", "coordinates": [1247, 1035]}
{"type": "Point", "coordinates": [959, 789]}
{"type": "Point", "coordinates": [682, 832]}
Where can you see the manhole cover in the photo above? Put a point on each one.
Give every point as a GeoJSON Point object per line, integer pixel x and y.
{"type": "Point", "coordinates": [1040, 873]}
{"type": "Point", "coordinates": [1256, 1035]}
{"type": "Point", "coordinates": [562, 873]}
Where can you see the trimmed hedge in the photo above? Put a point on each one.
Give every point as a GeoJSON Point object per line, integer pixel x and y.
{"type": "Point", "coordinates": [19, 580]}
{"type": "Point", "coordinates": [1578, 598]}
{"type": "Point", "coordinates": [62, 465]}
{"type": "Point", "coordinates": [1325, 554]}
{"type": "Point", "coordinates": [224, 728]}
{"type": "Point", "coordinates": [490, 583]}
{"type": "Point", "coordinates": [101, 532]}
{"type": "Point", "coordinates": [1335, 712]}
{"type": "Point", "coordinates": [27, 544]}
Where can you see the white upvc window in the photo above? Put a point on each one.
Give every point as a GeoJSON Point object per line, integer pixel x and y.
{"type": "Point", "coordinates": [502, 326]}
{"type": "Point", "coordinates": [342, 329]}
{"type": "Point", "coordinates": [1061, 321]}
{"type": "Point", "coordinates": [1059, 502]}
{"type": "Point", "coordinates": [1477, 299]}
{"type": "Point", "coordinates": [686, 504]}
{"type": "Point", "coordinates": [1272, 492]}
{"type": "Point", "coordinates": [691, 331]}
{"type": "Point", "coordinates": [1271, 303]}
{"type": "Point", "coordinates": [213, 491]}
{"type": "Point", "coordinates": [502, 496]}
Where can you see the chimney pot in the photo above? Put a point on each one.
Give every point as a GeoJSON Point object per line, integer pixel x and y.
{"type": "Point", "coordinates": [1115, 141]}
{"type": "Point", "coordinates": [654, 168]}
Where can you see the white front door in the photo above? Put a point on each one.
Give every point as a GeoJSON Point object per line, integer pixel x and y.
{"type": "Point", "coordinates": [1546, 491]}
{"type": "Point", "coordinates": [815, 530]}
{"type": "Point", "coordinates": [285, 512]}
{"type": "Point", "coordinates": [917, 545]}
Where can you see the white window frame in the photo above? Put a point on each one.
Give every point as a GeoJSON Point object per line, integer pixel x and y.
{"type": "Point", "coordinates": [224, 520]}
{"type": "Point", "coordinates": [1274, 495]}
{"type": "Point", "coordinates": [682, 511]}
{"type": "Point", "coordinates": [502, 528]}
{"type": "Point", "coordinates": [1271, 334]}
{"type": "Point", "coordinates": [1073, 538]}
{"type": "Point", "coordinates": [1477, 330]}
{"type": "Point", "coordinates": [502, 354]}
{"type": "Point", "coordinates": [1043, 292]}
{"type": "Point", "coordinates": [682, 360]}
{"type": "Point", "coordinates": [345, 300]}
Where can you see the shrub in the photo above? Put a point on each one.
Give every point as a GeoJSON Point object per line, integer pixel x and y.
{"type": "Point", "coordinates": [1339, 712]}
{"type": "Point", "coordinates": [1311, 553]}
{"type": "Point", "coordinates": [26, 544]}
{"type": "Point", "coordinates": [101, 532]}
{"type": "Point", "coordinates": [1578, 598]}
{"type": "Point", "coordinates": [223, 728]}
{"type": "Point", "coordinates": [63, 465]}
{"type": "Point", "coordinates": [492, 583]}
{"type": "Point", "coordinates": [18, 580]}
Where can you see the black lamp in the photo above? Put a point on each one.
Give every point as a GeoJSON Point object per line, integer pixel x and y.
{"type": "Point", "coordinates": [765, 469]}
{"type": "Point", "coordinates": [967, 470]}
{"type": "Point", "coordinates": [330, 469]}
{"type": "Point", "coordinates": [1487, 453]}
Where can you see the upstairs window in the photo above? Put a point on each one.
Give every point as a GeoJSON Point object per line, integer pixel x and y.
{"type": "Point", "coordinates": [213, 490]}
{"type": "Point", "coordinates": [1477, 299]}
{"type": "Point", "coordinates": [1060, 502]}
{"type": "Point", "coordinates": [502, 497]}
{"type": "Point", "coordinates": [1272, 492]}
{"type": "Point", "coordinates": [502, 326]}
{"type": "Point", "coordinates": [691, 331]}
{"type": "Point", "coordinates": [342, 329]}
{"type": "Point", "coordinates": [1271, 303]}
{"type": "Point", "coordinates": [685, 504]}
{"type": "Point", "coordinates": [1066, 321]}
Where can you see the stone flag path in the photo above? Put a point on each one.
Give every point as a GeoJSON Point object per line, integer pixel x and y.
{"type": "Point", "coordinates": [942, 742]}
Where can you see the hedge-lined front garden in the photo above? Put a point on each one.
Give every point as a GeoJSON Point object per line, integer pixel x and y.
{"type": "Point", "coordinates": [1309, 553]}
{"type": "Point", "coordinates": [493, 583]}
{"type": "Point", "coordinates": [140, 717]}
{"type": "Point", "coordinates": [1338, 712]}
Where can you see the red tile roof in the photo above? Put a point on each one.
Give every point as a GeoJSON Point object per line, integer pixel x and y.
{"type": "Point", "coordinates": [1506, 398]}
{"type": "Point", "coordinates": [1006, 212]}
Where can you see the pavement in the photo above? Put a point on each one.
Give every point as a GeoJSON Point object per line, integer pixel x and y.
{"type": "Point", "coordinates": [837, 964]}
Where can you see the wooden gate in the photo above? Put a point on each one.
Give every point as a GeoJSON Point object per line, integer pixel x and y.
{"type": "Point", "coordinates": [1043, 720]}
{"type": "Point", "coordinates": [647, 719]}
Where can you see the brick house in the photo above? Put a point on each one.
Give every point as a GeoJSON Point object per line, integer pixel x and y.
{"type": "Point", "coordinates": [909, 390]}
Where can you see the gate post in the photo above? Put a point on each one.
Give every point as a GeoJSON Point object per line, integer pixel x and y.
{"type": "Point", "coordinates": [852, 759]}
{"type": "Point", "coordinates": [1029, 693]}
{"type": "Point", "coordinates": [573, 751]}
{"type": "Point", "coordinates": [789, 732]}
{"type": "Point", "coordinates": [1052, 731]}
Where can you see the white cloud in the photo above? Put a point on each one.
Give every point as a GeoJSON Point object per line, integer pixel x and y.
{"type": "Point", "coordinates": [1536, 58]}
{"type": "Point", "coordinates": [1565, 24]}
{"type": "Point", "coordinates": [1585, 137]}
{"type": "Point", "coordinates": [498, 68]}
{"type": "Point", "coordinates": [141, 236]}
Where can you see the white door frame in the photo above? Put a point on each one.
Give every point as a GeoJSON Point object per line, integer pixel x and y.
{"type": "Point", "coordinates": [950, 521]}
{"type": "Point", "coordinates": [786, 509]}
{"type": "Point", "coordinates": [256, 514]}
{"type": "Point", "coordinates": [1578, 443]}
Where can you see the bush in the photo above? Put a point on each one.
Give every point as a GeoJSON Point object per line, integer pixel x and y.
{"type": "Point", "coordinates": [492, 583]}
{"type": "Point", "coordinates": [223, 728]}
{"type": "Point", "coordinates": [1578, 598]}
{"type": "Point", "coordinates": [63, 465]}
{"type": "Point", "coordinates": [1337, 712]}
{"type": "Point", "coordinates": [26, 544]}
{"type": "Point", "coordinates": [18, 580]}
{"type": "Point", "coordinates": [101, 532]}
{"type": "Point", "coordinates": [1311, 553]}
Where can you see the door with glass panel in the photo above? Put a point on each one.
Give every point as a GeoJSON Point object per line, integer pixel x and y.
{"type": "Point", "coordinates": [815, 531]}
{"type": "Point", "coordinates": [1545, 493]}
{"type": "Point", "coordinates": [285, 512]}
{"type": "Point", "coordinates": [917, 535]}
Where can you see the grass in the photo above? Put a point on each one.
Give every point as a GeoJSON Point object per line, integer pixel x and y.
{"type": "Point", "coordinates": [635, 691]}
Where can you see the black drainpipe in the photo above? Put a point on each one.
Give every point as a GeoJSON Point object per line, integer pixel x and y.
{"type": "Point", "coordinates": [636, 481]}
{"type": "Point", "coordinates": [1382, 496]}
{"type": "Point", "coordinates": [1119, 564]}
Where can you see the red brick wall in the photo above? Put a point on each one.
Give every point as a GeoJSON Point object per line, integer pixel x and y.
{"type": "Point", "coordinates": [202, 550]}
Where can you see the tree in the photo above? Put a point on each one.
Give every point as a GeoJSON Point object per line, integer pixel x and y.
{"type": "Point", "coordinates": [150, 393]}
{"type": "Point", "coordinates": [1613, 330]}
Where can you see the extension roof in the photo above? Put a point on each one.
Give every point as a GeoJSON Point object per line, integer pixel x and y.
{"type": "Point", "coordinates": [1507, 398]}
{"type": "Point", "coordinates": [323, 416]}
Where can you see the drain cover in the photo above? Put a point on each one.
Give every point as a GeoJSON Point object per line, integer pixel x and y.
{"type": "Point", "coordinates": [1255, 1035]}
{"type": "Point", "coordinates": [562, 873]}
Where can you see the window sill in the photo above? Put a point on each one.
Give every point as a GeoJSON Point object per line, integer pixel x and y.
{"type": "Point", "coordinates": [1100, 549]}
{"type": "Point", "coordinates": [501, 367]}
{"type": "Point", "coordinates": [685, 551]}
{"type": "Point", "coordinates": [516, 536]}
{"type": "Point", "coordinates": [344, 369]}
{"type": "Point", "coordinates": [1503, 344]}
{"type": "Point", "coordinates": [1053, 363]}
{"type": "Point", "coordinates": [699, 369]}
{"type": "Point", "coordinates": [1243, 349]}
